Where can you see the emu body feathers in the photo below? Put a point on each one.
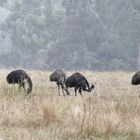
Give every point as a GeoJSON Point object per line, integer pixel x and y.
{"type": "Point", "coordinates": [78, 81]}
{"type": "Point", "coordinates": [21, 78]}
{"type": "Point", "coordinates": [136, 78]}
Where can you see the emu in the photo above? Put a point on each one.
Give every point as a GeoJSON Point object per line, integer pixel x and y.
{"type": "Point", "coordinates": [136, 78]}
{"type": "Point", "coordinates": [59, 77]}
{"type": "Point", "coordinates": [21, 78]}
{"type": "Point", "coordinates": [79, 82]}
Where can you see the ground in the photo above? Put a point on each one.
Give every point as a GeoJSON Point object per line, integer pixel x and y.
{"type": "Point", "coordinates": [110, 112]}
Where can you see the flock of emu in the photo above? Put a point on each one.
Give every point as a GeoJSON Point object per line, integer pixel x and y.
{"type": "Point", "coordinates": [76, 81]}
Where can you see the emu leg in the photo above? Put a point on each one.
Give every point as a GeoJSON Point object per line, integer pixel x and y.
{"type": "Point", "coordinates": [58, 89]}
{"type": "Point", "coordinates": [14, 89]}
{"type": "Point", "coordinates": [19, 87]}
{"type": "Point", "coordinates": [76, 91]}
{"type": "Point", "coordinates": [63, 91]}
{"type": "Point", "coordinates": [80, 91]}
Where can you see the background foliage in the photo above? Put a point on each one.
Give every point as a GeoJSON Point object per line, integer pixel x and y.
{"type": "Point", "coordinates": [71, 34]}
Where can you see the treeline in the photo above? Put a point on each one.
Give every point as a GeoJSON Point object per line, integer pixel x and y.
{"type": "Point", "coordinates": [73, 34]}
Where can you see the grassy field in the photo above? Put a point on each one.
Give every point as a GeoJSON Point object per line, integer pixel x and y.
{"type": "Point", "coordinates": [110, 112]}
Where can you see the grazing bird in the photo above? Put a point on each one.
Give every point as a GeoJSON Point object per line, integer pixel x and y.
{"type": "Point", "coordinates": [59, 77]}
{"type": "Point", "coordinates": [79, 82]}
{"type": "Point", "coordinates": [136, 79]}
{"type": "Point", "coordinates": [21, 78]}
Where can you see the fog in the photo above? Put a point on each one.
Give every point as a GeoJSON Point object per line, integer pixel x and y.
{"type": "Point", "coordinates": [98, 35]}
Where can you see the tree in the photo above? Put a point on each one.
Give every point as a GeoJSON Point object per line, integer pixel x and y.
{"type": "Point", "coordinates": [79, 34]}
{"type": "Point", "coordinates": [28, 29]}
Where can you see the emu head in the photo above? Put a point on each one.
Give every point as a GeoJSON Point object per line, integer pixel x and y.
{"type": "Point", "coordinates": [27, 85]}
{"type": "Point", "coordinates": [90, 88]}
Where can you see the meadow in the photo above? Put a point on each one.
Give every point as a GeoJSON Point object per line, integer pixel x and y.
{"type": "Point", "coordinates": [110, 112]}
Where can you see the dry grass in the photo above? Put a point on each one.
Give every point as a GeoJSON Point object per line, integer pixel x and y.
{"type": "Point", "coordinates": [110, 112]}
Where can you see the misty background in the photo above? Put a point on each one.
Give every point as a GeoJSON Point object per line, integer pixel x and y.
{"type": "Point", "coordinates": [70, 34]}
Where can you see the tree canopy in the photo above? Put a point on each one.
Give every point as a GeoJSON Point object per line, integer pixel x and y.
{"type": "Point", "coordinates": [73, 34]}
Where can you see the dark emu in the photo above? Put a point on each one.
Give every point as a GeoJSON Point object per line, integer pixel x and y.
{"type": "Point", "coordinates": [21, 78]}
{"type": "Point", "coordinates": [79, 82]}
{"type": "Point", "coordinates": [59, 77]}
{"type": "Point", "coordinates": [136, 79]}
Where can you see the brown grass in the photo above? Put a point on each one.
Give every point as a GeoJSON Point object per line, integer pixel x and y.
{"type": "Point", "coordinates": [110, 112]}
